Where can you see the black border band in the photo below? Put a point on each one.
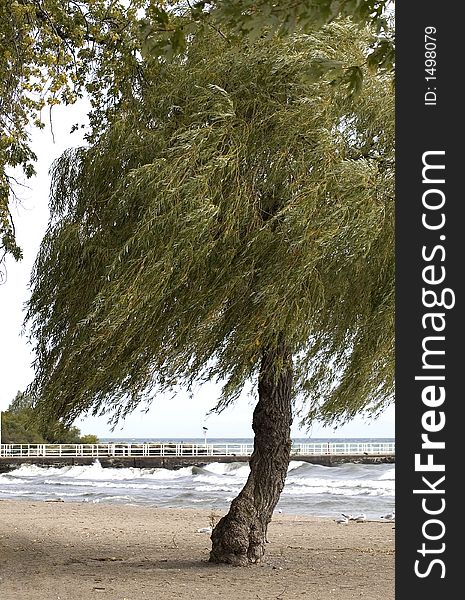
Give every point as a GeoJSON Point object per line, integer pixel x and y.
{"type": "Point", "coordinates": [430, 260]}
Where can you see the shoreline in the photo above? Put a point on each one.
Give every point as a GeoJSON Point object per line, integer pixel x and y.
{"type": "Point", "coordinates": [8, 464]}
{"type": "Point", "coordinates": [218, 510]}
{"type": "Point", "coordinates": [79, 551]}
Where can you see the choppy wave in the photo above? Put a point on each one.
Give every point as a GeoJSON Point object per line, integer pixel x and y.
{"type": "Point", "coordinates": [310, 489]}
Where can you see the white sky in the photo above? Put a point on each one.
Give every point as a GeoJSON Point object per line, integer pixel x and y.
{"type": "Point", "coordinates": [181, 417]}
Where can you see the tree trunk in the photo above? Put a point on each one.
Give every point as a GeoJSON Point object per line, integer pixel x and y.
{"type": "Point", "coordinates": [239, 537]}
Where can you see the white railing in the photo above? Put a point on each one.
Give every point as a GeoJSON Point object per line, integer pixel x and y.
{"type": "Point", "coordinates": [183, 449]}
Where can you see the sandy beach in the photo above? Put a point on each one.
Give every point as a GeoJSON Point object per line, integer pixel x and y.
{"type": "Point", "coordinates": [78, 551]}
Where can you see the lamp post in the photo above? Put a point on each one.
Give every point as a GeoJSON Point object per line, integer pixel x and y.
{"type": "Point", "coordinates": [205, 429]}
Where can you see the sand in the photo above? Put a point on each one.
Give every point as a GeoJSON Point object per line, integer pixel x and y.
{"type": "Point", "coordinates": [72, 551]}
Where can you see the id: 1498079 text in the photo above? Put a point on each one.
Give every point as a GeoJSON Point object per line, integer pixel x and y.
{"type": "Point", "coordinates": [430, 66]}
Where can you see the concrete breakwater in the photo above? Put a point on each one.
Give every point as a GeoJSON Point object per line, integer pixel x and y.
{"type": "Point", "coordinates": [176, 455]}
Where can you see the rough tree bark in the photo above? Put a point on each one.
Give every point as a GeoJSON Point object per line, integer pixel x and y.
{"type": "Point", "coordinates": [239, 537]}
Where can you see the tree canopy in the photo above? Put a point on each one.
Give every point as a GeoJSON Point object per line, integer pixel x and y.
{"type": "Point", "coordinates": [51, 52]}
{"type": "Point", "coordinates": [238, 202]}
{"type": "Point", "coordinates": [54, 51]}
{"type": "Point", "coordinates": [21, 425]}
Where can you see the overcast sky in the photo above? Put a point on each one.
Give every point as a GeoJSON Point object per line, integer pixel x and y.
{"type": "Point", "coordinates": [180, 417]}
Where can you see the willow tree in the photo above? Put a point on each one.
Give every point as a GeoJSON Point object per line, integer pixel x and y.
{"type": "Point", "coordinates": [234, 224]}
{"type": "Point", "coordinates": [51, 51]}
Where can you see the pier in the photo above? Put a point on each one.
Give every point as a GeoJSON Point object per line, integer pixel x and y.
{"type": "Point", "coordinates": [174, 455]}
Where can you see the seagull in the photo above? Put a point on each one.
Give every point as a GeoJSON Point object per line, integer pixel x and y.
{"type": "Point", "coordinates": [389, 516]}
{"type": "Point", "coordinates": [348, 517]}
{"type": "Point", "coordinates": [205, 530]}
{"type": "Point", "coordinates": [361, 518]}
{"type": "Point", "coordinates": [342, 520]}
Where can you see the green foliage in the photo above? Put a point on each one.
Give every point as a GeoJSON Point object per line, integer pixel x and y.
{"type": "Point", "coordinates": [251, 17]}
{"type": "Point", "coordinates": [21, 424]}
{"type": "Point", "coordinates": [238, 201]}
{"type": "Point", "coordinates": [54, 51]}
{"type": "Point", "coordinates": [55, 432]}
{"type": "Point", "coordinates": [383, 53]}
{"type": "Point", "coordinates": [88, 439]}
{"type": "Point", "coordinates": [21, 403]}
{"type": "Point", "coordinates": [171, 23]}
{"type": "Point", "coordinates": [16, 429]}
{"type": "Point", "coordinates": [51, 51]}
{"type": "Point", "coordinates": [165, 30]}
